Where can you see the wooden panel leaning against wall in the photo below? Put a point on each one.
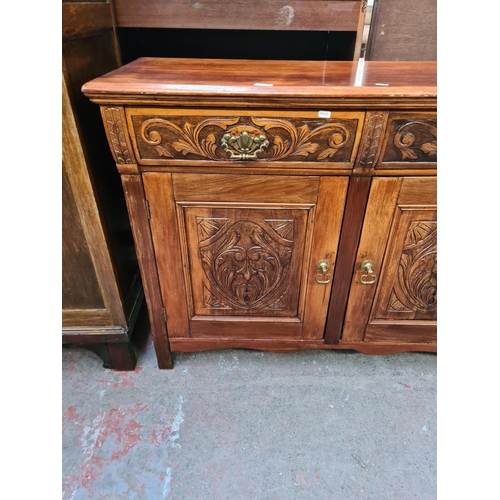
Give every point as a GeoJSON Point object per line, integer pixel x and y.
{"type": "Point", "coordinates": [403, 30]}
{"type": "Point", "coordinates": [101, 290]}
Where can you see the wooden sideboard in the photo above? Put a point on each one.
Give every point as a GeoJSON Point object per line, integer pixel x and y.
{"type": "Point", "coordinates": [279, 205]}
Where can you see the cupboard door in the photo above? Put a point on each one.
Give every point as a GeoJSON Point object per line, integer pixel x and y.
{"type": "Point", "coordinates": [237, 254]}
{"type": "Point", "coordinates": [396, 299]}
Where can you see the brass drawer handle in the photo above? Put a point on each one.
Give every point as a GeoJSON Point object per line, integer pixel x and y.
{"type": "Point", "coordinates": [323, 266]}
{"type": "Point", "coordinates": [369, 277]}
{"type": "Point", "coordinates": [244, 145]}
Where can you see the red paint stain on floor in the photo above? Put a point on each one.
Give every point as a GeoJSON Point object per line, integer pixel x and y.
{"type": "Point", "coordinates": [116, 427]}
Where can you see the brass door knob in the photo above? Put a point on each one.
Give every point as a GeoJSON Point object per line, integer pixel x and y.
{"type": "Point", "coordinates": [368, 278]}
{"type": "Point", "coordinates": [323, 277]}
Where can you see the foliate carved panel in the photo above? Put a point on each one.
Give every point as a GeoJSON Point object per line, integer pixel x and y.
{"type": "Point", "coordinates": [247, 263]}
{"type": "Point", "coordinates": [372, 135]}
{"type": "Point", "coordinates": [244, 138]}
{"type": "Point", "coordinates": [415, 287]}
{"type": "Point", "coordinates": [412, 140]}
{"type": "Point", "coordinates": [114, 122]}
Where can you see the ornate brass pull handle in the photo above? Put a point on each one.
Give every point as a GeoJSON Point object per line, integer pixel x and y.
{"type": "Point", "coordinates": [323, 266]}
{"type": "Point", "coordinates": [245, 145]}
{"type": "Point", "coordinates": [369, 278]}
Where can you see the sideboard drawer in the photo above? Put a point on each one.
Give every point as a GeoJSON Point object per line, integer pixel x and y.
{"type": "Point", "coordinates": [410, 141]}
{"type": "Point", "coordinates": [164, 136]}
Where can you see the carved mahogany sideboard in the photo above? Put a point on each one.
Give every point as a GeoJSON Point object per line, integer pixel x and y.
{"type": "Point", "coordinates": [279, 205]}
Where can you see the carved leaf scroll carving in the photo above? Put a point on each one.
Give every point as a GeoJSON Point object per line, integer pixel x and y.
{"type": "Point", "coordinates": [245, 266]}
{"type": "Point", "coordinates": [189, 136]}
{"type": "Point", "coordinates": [245, 142]}
{"type": "Point", "coordinates": [116, 133]}
{"type": "Point", "coordinates": [404, 139]}
{"type": "Point", "coordinates": [416, 286]}
{"type": "Point", "coordinates": [300, 143]}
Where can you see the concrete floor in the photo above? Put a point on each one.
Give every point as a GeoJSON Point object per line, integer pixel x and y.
{"type": "Point", "coordinates": [239, 424]}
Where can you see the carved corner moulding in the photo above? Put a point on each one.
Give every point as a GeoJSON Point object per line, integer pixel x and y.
{"type": "Point", "coordinates": [245, 142]}
{"type": "Point", "coordinates": [114, 120]}
{"type": "Point", "coordinates": [373, 131]}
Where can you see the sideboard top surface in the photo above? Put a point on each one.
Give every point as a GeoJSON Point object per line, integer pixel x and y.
{"type": "Point", "coordinates": [171, 77]}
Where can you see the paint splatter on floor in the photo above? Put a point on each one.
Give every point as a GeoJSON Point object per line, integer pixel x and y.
{"type": "Point", "coordinates": [247, 425]}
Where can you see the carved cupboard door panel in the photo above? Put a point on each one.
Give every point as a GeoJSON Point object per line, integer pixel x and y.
{"type": "Point", "coordinates": [237, 254]}
{"type": "Point", "coordinates": [401, 219]}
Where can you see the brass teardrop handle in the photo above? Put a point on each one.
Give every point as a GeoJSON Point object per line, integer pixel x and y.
{"type": "Point", "coordinates": [323, 277]}
{"type": "Point", "coordinates": [369, 277]}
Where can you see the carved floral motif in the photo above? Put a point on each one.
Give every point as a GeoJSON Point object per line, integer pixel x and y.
{"type": "Point", "coordinates": [245, 266]}
{"type": "Point", "coordinates": [404, 140]}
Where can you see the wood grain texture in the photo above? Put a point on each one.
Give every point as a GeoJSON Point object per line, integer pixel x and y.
{"type": "Point", "coordinates": [85, 19]}
{"type": "Point", "coordinates": [265, 328]}
{"type": "Point", "coordinates": [372, 244]}
{"type": "Point", "coordinates": [418, 192]}
{"type": "Point", "coordinates": [134, 193]}
{"type": "Point", "coordinates": [399, 236]}
{"type": "Point", "coordinates": [169, 77]}
{"type": "Point", "coordinates": [399, 332]}
{"type": "Point", "coordinates": [237, 14]}
{"type": "Point", "coordinates": [357, 196]}
{"type": "Point", "coordinates": [245, 188]}
{"type": "Point", "coordinates": [243, 244]}
{"type": "Point", "coordinates": [159, 192]}
{"type": "Point", "coordinates": [75, 319]}
{"type": "Point", "coordinates": [74, 160]}
{"type": "Point", "coordinates": [77, 266]}
{"type": "Point", "coordinates": [329, 216]}
{"type": "Point", "coordinates": [403, 30]}
{"type": "Point", "coordinates": [283, 345]}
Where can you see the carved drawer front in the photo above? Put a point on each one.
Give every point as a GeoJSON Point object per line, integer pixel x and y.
{"type": "Point", "coordinates": [163, 136]}
{"type": "Point", "coordinates": [410, 141]}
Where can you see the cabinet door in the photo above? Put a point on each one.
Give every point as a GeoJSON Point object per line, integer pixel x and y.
{"type": "Point", "coordinates": [397, 300]}
{"type": "Point", "coordinates": [237, 254]}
